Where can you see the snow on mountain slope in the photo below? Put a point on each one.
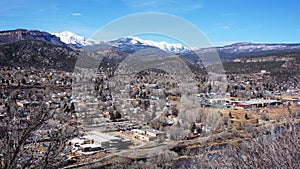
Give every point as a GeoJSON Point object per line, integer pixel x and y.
{"type": "Point", "coordinates": [253, 47]}
{"type": "Point", "coordinates": [247, 47]}
{"type": "Point", "coordinates": [173, 48]}
{"type": "Point", "coordinates": [71, 38]}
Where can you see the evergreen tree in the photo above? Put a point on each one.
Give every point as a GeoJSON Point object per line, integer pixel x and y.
{"type": "Point", "coordinates": [246, 116]}
{"type": "Point", "coordinates": [23, 81]}
{"type": "Point", "coordinates": [118, 115]}
{"type": "Point", "coordinates": [72, 108]}
{"type": "Point", "coordinates": [193, 127]}
{"type": "Point", "coordinates": [230, 115]}
{"type": "Point", "coordinates": [112, 117]}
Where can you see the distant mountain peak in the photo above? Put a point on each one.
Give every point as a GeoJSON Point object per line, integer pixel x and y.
{"type": "Point", "coordinates": [138, 42]}
{"type": "Point", "coordinates": [72, 38]}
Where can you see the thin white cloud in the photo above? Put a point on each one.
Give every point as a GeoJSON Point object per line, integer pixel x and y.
{"type": "Point", "coordinates": [226, 27]}
{"type": "Point", "coordinates": [76, 14]}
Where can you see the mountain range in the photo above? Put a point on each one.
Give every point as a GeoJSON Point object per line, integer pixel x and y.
{"type": "Point", "coordinates": [66, 39]}
{"type": "Point", "coordinates": [26, 46]}
{"type": "Point", "coordinates": [226, 53]}
{"type": "Point", "coordinates": [122, 43]}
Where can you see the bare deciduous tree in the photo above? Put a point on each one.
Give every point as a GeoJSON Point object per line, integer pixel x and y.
{"type": "Point", "coordinates": [34, 137]}
{"type": "Point", "coordinates": [278, 150]}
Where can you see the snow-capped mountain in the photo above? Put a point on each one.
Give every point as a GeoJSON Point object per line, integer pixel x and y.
{"type": "Point", "coordinates": [124, 43]}
{"type": "Point", "coordinates": [74, 39]}
{"type": "Point", "coordinates": [173, 48]}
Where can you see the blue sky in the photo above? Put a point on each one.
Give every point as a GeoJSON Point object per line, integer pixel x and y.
{"type": "Point", "coordinates": [222, 21]}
